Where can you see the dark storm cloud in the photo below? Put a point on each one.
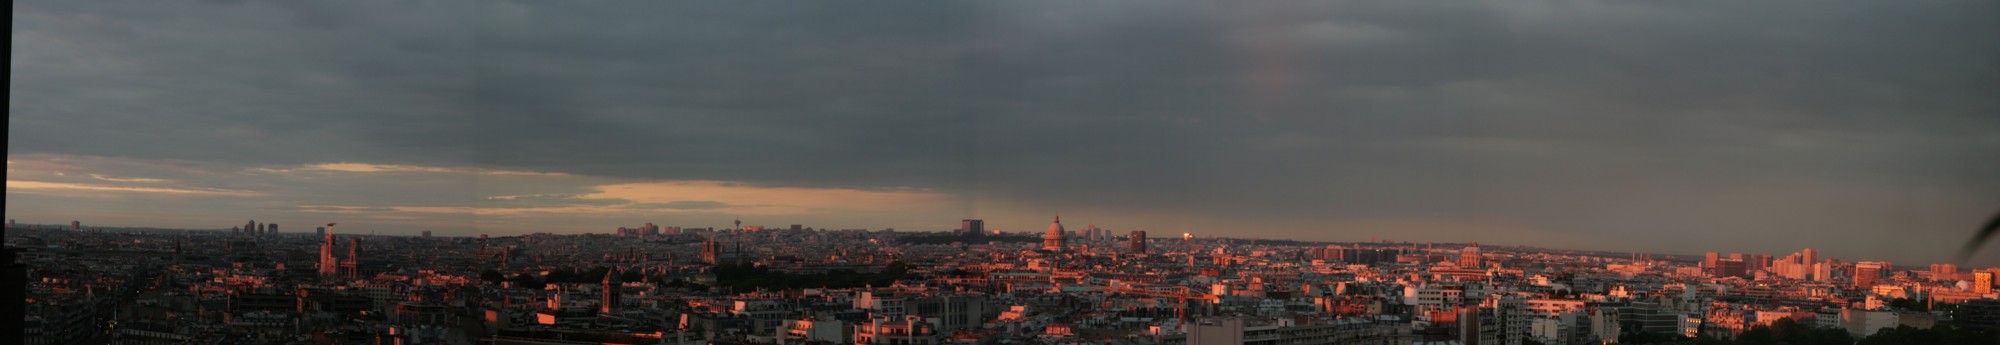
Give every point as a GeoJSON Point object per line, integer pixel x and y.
{"type": "Point", "coordinates": [1573, 122]}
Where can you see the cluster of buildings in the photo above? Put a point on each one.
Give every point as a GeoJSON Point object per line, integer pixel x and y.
{"type": "Point", "coordinates": [798, 285]}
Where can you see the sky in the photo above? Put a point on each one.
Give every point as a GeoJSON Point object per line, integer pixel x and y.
{"type": "Point", "coordinates": [1868, 130]}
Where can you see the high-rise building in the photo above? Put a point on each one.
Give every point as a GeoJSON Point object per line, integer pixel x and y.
{"type": "Point", "coordinates": [75, 226]}
{"type": "Point", "coordinates": [427, 234]}
{"type": "Point", "coordinates": [1731, 268]}
{"type": "Point", "coordinates": [1469, 257]}
{"type": "Point", "coordinates": [321, 231]}
{"type": "Point", "coordinates": [1867, 273]}
{"type": "Point", "coordinates": [1810, 256]}
{"type": "Point", "coordinates": [1708, 262]}
{"type": "Point", "coordinates": [1944, 272]}
{"type": "Point", "coordinates": [1138, 239]}
{"type": "Point", "coordinates": [327, 266]}
{"type": "Point", "coordinates": [1823, 271]}
{"type": "Point", "coordinates": [1054, 241]}
{"type": "Point", "coordinates": [972, 227]}
{"type": "Point", "coordinates": [272, 228]}
{"type": "Point", "coordinates": [1982, 282]}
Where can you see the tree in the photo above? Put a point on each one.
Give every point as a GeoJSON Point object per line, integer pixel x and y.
{"type": "Point", "coordinates": [896, 269]}
{"type": "Point", "coordinates": [492, 276]}
{"type": "Point", "coordinates": [1943, 334]}
{"type": "Point", "coordinates": [527, 282]}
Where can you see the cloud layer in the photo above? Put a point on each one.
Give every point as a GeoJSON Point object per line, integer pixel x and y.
{"type": "Point", "coordinates": [1681, 126]}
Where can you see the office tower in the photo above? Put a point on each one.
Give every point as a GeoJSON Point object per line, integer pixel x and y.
{"type": "Point", "coordinates": [1469, 257]}
{"type": "Point", "coordinates": [798, 227]}
{"type": "Point", "coordinates": [250, 228]}
{"type": "Point", "coordinates": [321, 231]}
{"type": "Point", "coordinates": [973, 227]}
{"type": "Point", "coordinates": [1138, 241]}
{"type": "Point", "coordinates": [1944, 271]}
{"type": "Point", "coordinates": [1731, 268]}
{"type": "Point", "coordinates": [612, 285]}
{"type": "Point", "coordinates": [1053, 241]}
{"type": "Point", "coordinates": [1867, 273]}
{"type": "Point", "coordinates": [75, 226]}
{"type": "Point", "coordinates": [271, 228]}
{"type": "Point", "coordinates": [327, 266]}
{"type": "Point", "coordinates": [427, 234]}
{"type": "Point", "coordinates": [1811, 256]}
{"type": "Point", "coordinates": [1758, 262]}
{"type": "Point", "coordinates": [1709, 261]}
{"type": "Point", "coordinates": [1982, 282]}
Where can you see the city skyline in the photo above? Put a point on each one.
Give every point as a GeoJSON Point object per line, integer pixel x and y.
{"type": "Point", "coordinates": [1766, 128]}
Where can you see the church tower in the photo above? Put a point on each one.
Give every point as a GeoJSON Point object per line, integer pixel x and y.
{"type": "Point", "coordinates": [612, 287]}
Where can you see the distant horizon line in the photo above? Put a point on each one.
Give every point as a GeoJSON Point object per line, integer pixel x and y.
{"type": "Point", "coordinates": [1696, 256]}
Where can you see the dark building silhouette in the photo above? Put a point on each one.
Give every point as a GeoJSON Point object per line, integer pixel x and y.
{"type": "Point", "coordinates": [972, 227]}
{"type": "Point", "coordinates": [1138, 239]}
{"type": "Point", "coordinates": [13, 292]}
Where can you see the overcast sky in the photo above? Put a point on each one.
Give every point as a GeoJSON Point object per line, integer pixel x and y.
{"type": "Point", "coordinates": [1865, 129]}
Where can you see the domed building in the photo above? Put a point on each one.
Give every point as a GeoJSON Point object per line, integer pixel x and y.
{"type": "Point", "coordinates": [1053, 241]}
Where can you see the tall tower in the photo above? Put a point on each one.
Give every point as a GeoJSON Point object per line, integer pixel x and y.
{"type": "Point", "coordinates": [611, 292]}
{"type": "Point", "coordinates": [327, 266]}
{"type": "Point", "coordinates": [972, 227]}
{"type": "Point", "coordinates": [1138, 239]}
{"type": "Point", "coordinates": [1809, 255]}
{"type": "Point", "coordinates": [75, 226]}
{"type": "Point", "coordinates": [1053, 241]}
{"type": "Point", "coordinates": [739, 224]}
{"type": "Point", "coordinates": [352, 264]}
